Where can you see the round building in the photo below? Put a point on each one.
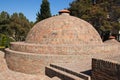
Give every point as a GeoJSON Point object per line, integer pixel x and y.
{"type": "Point", "coordinates": [57, 39]}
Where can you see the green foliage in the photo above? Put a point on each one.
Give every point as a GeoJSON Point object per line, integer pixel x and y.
{"type": "Point", "coordinates": [5, 40]}
{"type": "Point", "coordinates": [15, 26]}
{"type": "Point", "coordinates": [20, 26]}
{"type": "Point", "coordinates": [44, 11]}
{"type": "Point", "coordinates": [4, 22]}
{"type": "Point", "coordinates": [100, 13]}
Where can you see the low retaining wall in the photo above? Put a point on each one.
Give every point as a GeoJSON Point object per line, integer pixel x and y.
{"type": "Point", "coordinates": [105, 70]}
{"type": "Point", "coordinates": [81, 75]}
{"type": "Point", "coordinates": [52, 72]}
{"type": "Point", "coordinates": [35, 63]}
{"type": "Point", "coordinates": [62, 49]}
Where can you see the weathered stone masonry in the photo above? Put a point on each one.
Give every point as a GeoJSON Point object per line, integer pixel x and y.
{"type": "Point", "coordinates": [105, 70]}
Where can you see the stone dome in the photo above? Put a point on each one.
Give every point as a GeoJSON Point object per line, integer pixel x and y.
{"type": "Point", "coordinates": [59, 39]}
{"type": "Point", "coordinates": [63, 29]}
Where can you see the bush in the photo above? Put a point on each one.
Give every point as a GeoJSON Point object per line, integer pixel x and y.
{"type": "Point", "coordinates": [4, 41]}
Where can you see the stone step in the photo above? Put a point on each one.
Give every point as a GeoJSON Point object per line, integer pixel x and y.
{"type": "Point", "coordinates": [53, 72]}
{"type": "Point", "coordinates": [81, 75]}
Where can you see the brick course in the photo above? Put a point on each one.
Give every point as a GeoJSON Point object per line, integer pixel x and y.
{"type": "Point", "coordinates": [105, 70]}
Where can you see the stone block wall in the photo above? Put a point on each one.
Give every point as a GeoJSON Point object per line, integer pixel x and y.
{"type": "Point", "coordinates": [35, 63]}
{"type": "Point", "coordinates": [62, 49]}
{"type": "Point", "coordinates": [105, 70]}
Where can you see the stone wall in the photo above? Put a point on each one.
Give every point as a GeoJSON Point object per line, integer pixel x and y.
{"type": "Point", "coordinates": [35, 63]}
{"type": "Point", "coordinates": [105, 70]}
{"type": "Point", "coordinates": [62, 49]}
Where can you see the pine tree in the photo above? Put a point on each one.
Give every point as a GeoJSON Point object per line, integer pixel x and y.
{"type": "Point", "coordinates": [44, 11]}
{"type": "Point", "coordinates": [4, 22]}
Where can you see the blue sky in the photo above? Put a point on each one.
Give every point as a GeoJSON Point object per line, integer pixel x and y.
{"type": "Point", "coordinates": [30, 7]}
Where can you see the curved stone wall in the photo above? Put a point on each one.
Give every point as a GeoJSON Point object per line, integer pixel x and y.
{"type": "Point", "coordinates": [35, 63]}
{"type": "Point", "coordinates": [61, 49]}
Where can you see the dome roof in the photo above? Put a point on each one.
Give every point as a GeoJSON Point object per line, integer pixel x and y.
{"type": "Point", "coordinates": [63, 29]}
{"type": "Point", "coordinates": [112, 42]}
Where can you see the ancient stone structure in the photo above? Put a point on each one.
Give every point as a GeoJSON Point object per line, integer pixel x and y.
{"type": "Point", "coordinates": [105, 69]}
{"type": "Point", "coordinates": [59, 47]}
{"type": "Point", "coordinates": [63, 30]}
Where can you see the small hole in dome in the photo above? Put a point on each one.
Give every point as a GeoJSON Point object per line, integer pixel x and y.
{"type": "Point", "coordinates": [91, 39]}
{"type": "Point", "coordinates": [54, 33]}
{"type": "Point", "coordinates": [44, 36]}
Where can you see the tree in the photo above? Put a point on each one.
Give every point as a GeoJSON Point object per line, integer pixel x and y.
{"type": "Point", "coordinates": [44, 11]}
{"type": "Point", "coordinates": [4, 22]}
{"type": "Point", "coordinates": [102, 14]}
{"type": "Point", "coordinates": [92, 13]}
{"type": "Point", "coordinates": [20, 26]}
{"type": "Point", "coordinates": [16, 26]}
{"type": "Point", "coordinates": [13, 27]}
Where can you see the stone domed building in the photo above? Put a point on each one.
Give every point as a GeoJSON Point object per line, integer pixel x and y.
{"type": "Point", "coordinates": [63, 30]}
{"type": "Point", "coordinates": [61, 46]}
